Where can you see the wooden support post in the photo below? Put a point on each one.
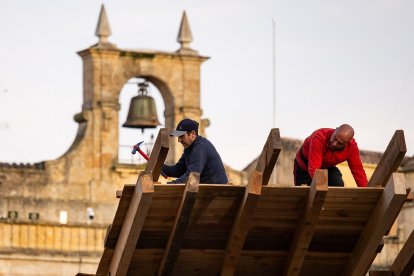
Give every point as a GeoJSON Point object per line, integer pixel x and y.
{"type": "Point", "coordinates": [259, 177]}
{"type": "Point", "coordinates": [269, 155]}
{"type": "Point", "coordinates": [403, 265]}
{"type": "Point", "coordinates": [158, 154]}
{"type": "Point", "coordinates": [112, 232]}
{"type": "Point", "coordinates": [307, 222]}
{"type": "Point", "coordinates": [124, 202]}
{"type": "Point", "coordinates": [390, 161]}
{"type": "Point", "coordinates": [180, 225]}
{"type": "Point", "coordinates": [242, 223]}
{"type": "Point", "coordinates": [132, 226]}
{"type": "Point", "coordinates": [381, 219]}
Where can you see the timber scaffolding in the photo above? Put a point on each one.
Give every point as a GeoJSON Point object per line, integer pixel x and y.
{"type": "Point", "coordinates": [206, 229]}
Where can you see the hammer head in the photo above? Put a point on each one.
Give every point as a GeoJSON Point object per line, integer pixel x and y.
{"type": "Point", "coordinates": [136, 147]}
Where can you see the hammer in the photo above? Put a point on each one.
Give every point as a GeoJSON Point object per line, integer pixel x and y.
{"type": "Point", "coordinates": [137, 148]}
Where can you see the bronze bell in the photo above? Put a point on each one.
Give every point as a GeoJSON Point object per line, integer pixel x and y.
{"type": "Point", "coordinates": [142, 113]}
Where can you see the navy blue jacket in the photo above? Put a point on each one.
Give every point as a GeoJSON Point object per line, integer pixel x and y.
{"type": "Point", "coordinates": [201, 157]}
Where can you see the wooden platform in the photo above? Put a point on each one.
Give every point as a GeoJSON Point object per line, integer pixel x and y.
{"type": "Point", "coordinates": [205, 229]}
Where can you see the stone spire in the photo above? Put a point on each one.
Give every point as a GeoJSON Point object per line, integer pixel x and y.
{"type": "Point", "coordinates": [185, 37]}
{"type": "Point", "coordinates": [103, 30]}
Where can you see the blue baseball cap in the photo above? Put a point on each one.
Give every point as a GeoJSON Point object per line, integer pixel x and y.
{"type": "Point", "coordinates": [185, 126]}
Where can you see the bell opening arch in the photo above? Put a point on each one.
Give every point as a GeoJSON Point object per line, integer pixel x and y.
{"type": "Point", "coordinates": [130, 136]}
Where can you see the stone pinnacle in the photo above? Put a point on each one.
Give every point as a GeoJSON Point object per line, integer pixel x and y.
{"type": "Point", "coordinates": [184, 36]}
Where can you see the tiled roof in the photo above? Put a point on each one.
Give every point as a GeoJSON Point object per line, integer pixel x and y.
{"type": "Point", "coordinates": [38, 166]}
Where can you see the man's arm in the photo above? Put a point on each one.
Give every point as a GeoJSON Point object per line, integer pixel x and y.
{"type": "Point", "coordinates": [175, 170]}
{"type": "Point", "coordinates": [315, 155]}
{"type": "Point", "coordinates": [355, 165]}
{"type": "Point", "coordinates": [196, 162]}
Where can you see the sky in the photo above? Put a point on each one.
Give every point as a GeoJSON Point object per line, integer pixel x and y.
{"type": "Point", "coordinates": [335, 62]}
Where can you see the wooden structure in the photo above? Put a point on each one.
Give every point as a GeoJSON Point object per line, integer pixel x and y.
{"type": "Point", "coordinates": [206, 229]}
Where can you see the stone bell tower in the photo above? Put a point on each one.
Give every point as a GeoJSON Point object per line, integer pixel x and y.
{"type": "Point", "coordinates": [89, 173]}
{"type": "Point", "coordinates": [107, 68]}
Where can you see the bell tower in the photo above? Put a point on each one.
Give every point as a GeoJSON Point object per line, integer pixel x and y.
{"type": "Point", "coordinates": [106, 68]}
{"type": "Point", "coordinates": [89, 173]}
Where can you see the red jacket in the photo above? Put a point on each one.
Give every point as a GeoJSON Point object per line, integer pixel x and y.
{"type": "Point", "coordinates": [315, 149]}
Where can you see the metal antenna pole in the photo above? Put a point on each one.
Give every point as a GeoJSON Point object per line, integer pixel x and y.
{"type": "Point", "coordinates": [274, 89]}
{"type": "Point", "coordinates": [274, 71]}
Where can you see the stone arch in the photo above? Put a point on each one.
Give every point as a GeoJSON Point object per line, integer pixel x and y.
{"type": "Point", "coordinates": [162, 87]}
{"type": "Point", "coordinates": [127, 136]}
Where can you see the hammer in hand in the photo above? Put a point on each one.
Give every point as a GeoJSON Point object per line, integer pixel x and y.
{"type": "Point", "coordinates": [137, 148]}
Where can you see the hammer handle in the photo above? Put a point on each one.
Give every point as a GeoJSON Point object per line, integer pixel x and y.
{"type": "Point", "coordinates": [147, 158]}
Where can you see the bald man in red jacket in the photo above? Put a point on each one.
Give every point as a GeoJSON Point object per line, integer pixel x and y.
{"type": "Point", "coordinates": [326, 148]}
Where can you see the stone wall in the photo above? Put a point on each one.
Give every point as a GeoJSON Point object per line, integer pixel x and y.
{"type": "Point", "coordinates": [49, 249]}
{"type": "Point", "coordinates": [26, 189]}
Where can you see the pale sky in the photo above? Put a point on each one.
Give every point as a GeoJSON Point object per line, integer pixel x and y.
{"type": "Point", "coordinates": [336, 62]}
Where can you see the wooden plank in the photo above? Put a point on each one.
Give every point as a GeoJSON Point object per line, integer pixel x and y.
{"type": "Point", "coordinates": [261, 263]}
{"type": "Point", "coordinates": [275, 219]}
{"type": "Point", "coordinates": [324, 264]}
{"type": "Point", "coordinates": [277, 204]}
{"type": "Point", "coordinates": [354, 193]}
{"type": "Point", "coordinates": [382, 218]}
{"type": "Point", "coordinates": [269, 155]}
{"type": "Point", "coordinates": [132, 226]}
{"type": "Point", "coordinates": [304, 232]}
{"type": "Point", "coordinates": [212, 218]}
{"type": "Point", "coordinates": [390, 161]}
{"type": "Point", "coordinates": [404, 262]}
{"type": "Point", "coordinates": [113, 231]}
{"type": "Point", "coordinates": [242, 223]}
{"type": "Point", "coordinates": [182, 219]}
{"type": "Point", "coordinates": [158, 154]}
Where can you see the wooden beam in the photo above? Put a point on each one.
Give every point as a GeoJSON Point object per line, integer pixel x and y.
{"type": "Point", "coordinates": [132, 226]}
{"type": "Point", "coordinates": [158, 154]}
{"type": "Point", "coordinates": [269, 155]}
{"type": "Point", "coordinates": [390, 161]}
{"type": "Point", "coordinates": [381, 219]}
{"type": "Point", "coordinates": [182, 219]}
{"type": "Point", "coordinates": [307, 222]}
{"type": "Point", "coordinates": [112, 233]}
{"type": "Point", "coordinates": [113, 230]}
{"type": "Point", "coordinates": [242, 223]}
{"type": "Point", "coordinates": [404, 263]}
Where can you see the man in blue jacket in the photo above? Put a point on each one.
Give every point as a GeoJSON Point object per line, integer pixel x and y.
{"type": "Point", "coordinates": [199, 156]}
